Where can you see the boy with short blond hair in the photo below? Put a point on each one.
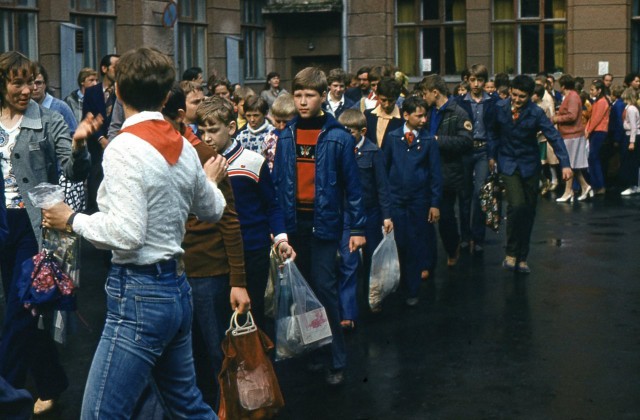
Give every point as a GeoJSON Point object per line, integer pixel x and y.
{"type": "Point", "coordinates": [282, 111]}
{"type": "Point", "coordinates": [316, 178]}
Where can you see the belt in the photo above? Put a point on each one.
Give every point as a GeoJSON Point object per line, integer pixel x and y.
{"type": "Point", "coordinates": [479, 143]}
{"type": "Point", "coordinates": [174, 265]}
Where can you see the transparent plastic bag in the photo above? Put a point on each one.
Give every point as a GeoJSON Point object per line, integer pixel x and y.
{"type": "Point", "coordinates": [385, 270]}
{"type": "Point", "coordinates": [45, 195]}
{"type": "Point", "coordinates": [301, 320]}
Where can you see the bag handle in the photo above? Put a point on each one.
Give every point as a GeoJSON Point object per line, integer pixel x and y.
{"type": "Point", "coordinates": [236, 329]}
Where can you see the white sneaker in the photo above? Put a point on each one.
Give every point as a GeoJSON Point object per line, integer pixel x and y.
{"type": "Point", "coordinates": [629, 191]}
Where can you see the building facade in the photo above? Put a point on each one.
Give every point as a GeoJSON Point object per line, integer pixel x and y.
{"type": "Point", "coordinates": [245, 39]}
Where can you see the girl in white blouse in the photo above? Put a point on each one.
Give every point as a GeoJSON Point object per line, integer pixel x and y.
{"type": "Point", "coordinates": [628, 150]}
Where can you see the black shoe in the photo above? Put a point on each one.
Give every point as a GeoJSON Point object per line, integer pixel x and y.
{"type": "Point", "coordinates": [335, 376]}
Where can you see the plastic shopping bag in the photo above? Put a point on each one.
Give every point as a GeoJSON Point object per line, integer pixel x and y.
{"type": "Point", "coordinates": [385, 270]}
{"type": "Point", "coordinates": [301, 320]}
{"type": "Point", "coordinates": [249, 387]}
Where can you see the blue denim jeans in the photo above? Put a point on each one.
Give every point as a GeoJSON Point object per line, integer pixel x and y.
{"type": "Point", "coordinates": [211, 314]}
{"type": "Point", "coordinates": [596, 140]}
{"type": "Point", "coordinates": [147, 335]}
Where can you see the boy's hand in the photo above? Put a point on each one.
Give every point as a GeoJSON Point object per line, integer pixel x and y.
{"type": "Point", "coordinates": [216, 168]}
{"type": "Point", "coordinates": [356, 242]}
{"type": "Point", "coordinates": [239, 299]}
{"type": "Point", "coordinates": [492, 165]}
{"type": "Point", "coordinates": [434, 215]}
{"type": "Point", "coordinates": [387, 225]}
{"type": "Point", "coordinates": [286, 251]}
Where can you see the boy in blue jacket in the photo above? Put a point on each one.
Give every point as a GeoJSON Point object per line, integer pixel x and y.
{"type": "Point", "coordinates": [415, 183]}
{"type": "Point", "coordinates": [316, 178]}
{"type": "Point", "coordinates": [377, 207]}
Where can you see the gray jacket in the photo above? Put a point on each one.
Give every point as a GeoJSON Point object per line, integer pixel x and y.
{"type": "Point", "coordinates": [42, 149]}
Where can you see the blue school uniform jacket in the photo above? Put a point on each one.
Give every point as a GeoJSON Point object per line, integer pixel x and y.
{"type": "Point", "coordinates": [337, 187]}
{"type": "Point", "coordinates": [514, 144]}
{"type": "Point", "coordinates": [414, 171]}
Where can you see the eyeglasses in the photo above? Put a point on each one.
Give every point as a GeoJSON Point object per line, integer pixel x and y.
{"type": "Point", "coordinates": [38, 82]}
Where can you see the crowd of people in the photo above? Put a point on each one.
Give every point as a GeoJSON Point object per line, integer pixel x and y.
{"type": "Point", "coordinates": [191, 186]}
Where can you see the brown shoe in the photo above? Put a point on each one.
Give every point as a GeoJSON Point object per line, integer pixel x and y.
{"type": "Point", "coordinates": [42, 407]}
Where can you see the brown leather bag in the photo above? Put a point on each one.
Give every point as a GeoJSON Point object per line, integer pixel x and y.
{"type": "Point", "coordinates": [249, 387]}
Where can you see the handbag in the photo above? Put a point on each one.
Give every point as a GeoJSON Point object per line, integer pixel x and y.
{"type": "Point", "coordinates": [491, 201]}
{"type": "Point", "coordinates": [249, 387]}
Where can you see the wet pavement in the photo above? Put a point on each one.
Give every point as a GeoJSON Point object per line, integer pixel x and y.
{"type": "Point", "coordinates": [483, 343]}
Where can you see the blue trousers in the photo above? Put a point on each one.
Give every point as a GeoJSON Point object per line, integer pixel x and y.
{"type": "Point", "coordinates": [350, 260]}
{"type": "Point", "coordinates": [414, 237]}
{"type": "Point", "coordinates": [476, 170]}
{"type": "Point", "coordinates": [211, 314]}
{"type": "Point", "coordinates": [596, 140]}
{"type": "Point", "coordinates": [316, 260]}
{"type": "Point", "coordinates": [147, 335]}
{"type": "Point", "coordinates": [15, 404]}
{"type": "Point", "coordinates": [448, 225]}
{"type": "Point", "coordinates": [24, 348]}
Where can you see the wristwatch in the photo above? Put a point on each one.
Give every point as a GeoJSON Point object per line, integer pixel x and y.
{"type": "Point", "coordinates": [69, 226]}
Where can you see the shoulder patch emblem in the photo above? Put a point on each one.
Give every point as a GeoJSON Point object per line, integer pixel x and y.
{"type": "Point", "coordinates": [468, 126]}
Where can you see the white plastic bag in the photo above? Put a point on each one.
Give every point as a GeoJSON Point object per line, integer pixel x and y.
{"type": "Point", "coordinates": [385, 270]}
{"type": "Point", "coordinates": [301, 320]}
{"type": "Point", "coordinates": [45, 195]}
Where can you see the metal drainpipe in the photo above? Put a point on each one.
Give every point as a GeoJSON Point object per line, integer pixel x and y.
{"type": "Point", "coordinates": [345, 54]}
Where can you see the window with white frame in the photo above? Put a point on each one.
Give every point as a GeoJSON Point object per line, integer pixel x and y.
{"type": "Point", "coordinates": [431, 36]}
{"type": "Point", "coordinates": [529, 36]}
{"type": "Point", "coordinates": [253, 33]}
{"type": "Point", "coordinates": [192, 29]}
{"type": "Point", "coordinates": [19, 27]}
{"type": "Point", "coordinates": [98, 18]}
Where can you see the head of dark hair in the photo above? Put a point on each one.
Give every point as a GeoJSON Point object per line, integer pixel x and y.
{"type": "Point", "coordinates": [256, 103]}
{"type": "Point", "coordinates": [363, 70]}
{"type": "Point", "coordinates": [191, 73]}
{"type": "Point", "coordinates": [523, 83]}
{"type": "Point", "coordinates": [216, 81]}
{"type": "Point", "coordinates": [41, 70]}
{"type": "Point", "coordinates": [412, 103]}
{"type": "Point", "coordinates": [567, 81]}
{"type": "Point", "coordinates": [106, 62]}
{"type": "Point", "coordinates": [270, 76]}
{"type": "Point", "coordinates": [434, 81]}
{"type": "Point", "coordinates": [175, 102]}
{"type": "Point", "coordinates": [628, 79]}
{"type": "Point", "coordinates": [389, 87]}
{"type": "Point", "coordinates": [144, 78]}
{"type": "Point", "coordinates": [464, 75]}
{"type": "Point", "coordinates": [14, 64]}
{"type": "Point", "coordinates": [539, 91]}
{"type": "Point", "coordinates": [501, 79]}
{"type": "Point", "coordinates": [599, 84]}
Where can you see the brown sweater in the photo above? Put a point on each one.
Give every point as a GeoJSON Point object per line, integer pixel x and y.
{"type": "Point", "coordinates": [214, 249]}
{"type": "Point", "coordinates": [569, 116]}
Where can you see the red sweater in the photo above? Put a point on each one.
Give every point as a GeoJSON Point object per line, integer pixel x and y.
{"type": "Point", "coordinates": [569, 116]}
{"type": "Point", "coordinates": [599, 120]}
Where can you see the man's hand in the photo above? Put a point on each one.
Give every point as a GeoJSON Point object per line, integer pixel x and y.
{"type": "Point", "coordinates": [492, 165]}
{"type": "Point", "coordinates": [239, 299]}
{"type": "Point", "coordinates": [632, 147]}
{"type": "Point", "coordinates": [567, 174]}
{"type": "Point", "coordinates": [56, 217]}
{"type": "Point", "coordinates": [86, 128]}
{"type": "Point", "coordinates": [434, 215]}
{"type": "Point", "coordinates": [216, 168]}
{"type": "Point", "coordinates": [387, 225]}
{"type": "Point", "coordinates": [286, 251]}
{"type": "Point", "coordinates": [356, 242]}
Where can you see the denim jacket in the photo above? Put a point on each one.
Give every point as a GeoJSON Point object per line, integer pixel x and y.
{"type": "Point", "coordinates": [337, 186]}
{"type": "Point", "coordinates": [42, 149]}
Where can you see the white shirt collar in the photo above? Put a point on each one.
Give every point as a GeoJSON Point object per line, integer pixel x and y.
{"type": "Point", "coordinates": [142, 116]}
